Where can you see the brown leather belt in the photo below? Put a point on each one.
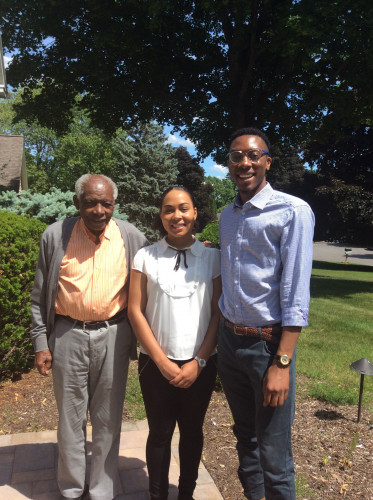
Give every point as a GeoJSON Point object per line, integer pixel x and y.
{"type": "Point", "coordinates": [270, 333]}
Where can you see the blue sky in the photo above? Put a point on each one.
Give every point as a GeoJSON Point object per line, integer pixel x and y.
{"type": "Point", "coordinates": [209, 165]}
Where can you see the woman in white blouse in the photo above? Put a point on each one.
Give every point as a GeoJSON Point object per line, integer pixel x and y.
{"type": "Point", "coordinates": [173, 308]}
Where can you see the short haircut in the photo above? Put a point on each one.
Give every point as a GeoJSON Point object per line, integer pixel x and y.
{"type": "Point", "coordinates": [249, 131]}
{"type": "Point", "coordinates": [82, 181]}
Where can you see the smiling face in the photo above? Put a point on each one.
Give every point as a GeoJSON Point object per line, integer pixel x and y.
{"type": "Point", "coordinates": [96, 205]}
{"type": "Point", "coordinates": [249, 177]}
{"type": "Point", "coordinates": [178, 215]}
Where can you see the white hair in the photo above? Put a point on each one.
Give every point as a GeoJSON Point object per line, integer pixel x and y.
{"type": "Point", "coordinates": [82, 181]}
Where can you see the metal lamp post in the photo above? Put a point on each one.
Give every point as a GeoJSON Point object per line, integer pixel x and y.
{"type": "Point", "coordinates": [364, 367]}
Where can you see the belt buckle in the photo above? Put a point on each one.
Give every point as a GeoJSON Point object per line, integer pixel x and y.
{"type": "Point", "coordinates": [83, 326]}
{"type": "Point", "coordinates": [236, 332]}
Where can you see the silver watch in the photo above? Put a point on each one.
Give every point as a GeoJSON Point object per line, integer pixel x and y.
{"type": "Point", "coordinates": [201, 362]}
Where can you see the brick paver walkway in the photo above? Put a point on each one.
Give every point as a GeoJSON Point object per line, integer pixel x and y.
{"type": "Point", "coordinates": [28, 466]}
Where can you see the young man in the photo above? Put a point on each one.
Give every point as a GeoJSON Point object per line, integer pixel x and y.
{"type": "Point", "coordinates": [266, 250]}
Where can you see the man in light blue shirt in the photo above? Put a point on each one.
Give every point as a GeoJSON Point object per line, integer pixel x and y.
{"type": "Point", "coordinates": [266, 249]}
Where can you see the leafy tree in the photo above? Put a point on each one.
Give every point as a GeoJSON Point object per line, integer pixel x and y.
{"type": "Point", "coordinates": [343, 192]}
{"type": "Point", "coordinates": [146, 168]}
{"type": "Point", "coordinates": [57, 161]}
{"type": "Point", "coordinates": [192, 176]}
{"type": "Point", "coordinates": [224, 191]}
{"type": "Point", "coordinates": [345, 154]}
{"type": "Point", "coordinates": [290, 67]}
{"type": "Point", "coordinates": [40, 142]}
{"type": "Point", "coordinates": [349, 212]}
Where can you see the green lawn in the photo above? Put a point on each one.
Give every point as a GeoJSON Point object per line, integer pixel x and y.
{"type": "Point", "coordinates": [340, 332]}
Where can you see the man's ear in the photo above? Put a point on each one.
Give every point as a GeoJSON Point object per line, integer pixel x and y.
{"type": "Point", "coordinates": [76, 202]}
{"type": "Point", "coordinates": [269, 161]}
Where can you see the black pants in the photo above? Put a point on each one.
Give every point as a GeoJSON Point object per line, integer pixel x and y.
{"type": "Point", "coordinates": [165, 405]}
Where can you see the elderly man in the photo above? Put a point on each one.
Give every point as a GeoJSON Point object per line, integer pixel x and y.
{"type": "Point", "coordinates": [266, 249]}
{"type": "Point", "coordinates": [80, 329]}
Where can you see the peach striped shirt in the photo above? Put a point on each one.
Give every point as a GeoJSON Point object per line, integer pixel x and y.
{"type": "Point", "coordinates": [93, 277]}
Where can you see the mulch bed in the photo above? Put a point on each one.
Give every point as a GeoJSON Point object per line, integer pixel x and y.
{"type": "Point", "coordinates": [333, 453]}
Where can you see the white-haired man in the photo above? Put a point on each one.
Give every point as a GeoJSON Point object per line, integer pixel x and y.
{"type": "Point", "coordinates": [80, 330]}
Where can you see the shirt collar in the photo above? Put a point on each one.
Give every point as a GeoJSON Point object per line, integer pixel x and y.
{"type": "Point", "coordinates": [106, 234]}
{"type": "Point", "coordinates": [197, 248]}
{"type": "Point", "coordinates": [260, 200]}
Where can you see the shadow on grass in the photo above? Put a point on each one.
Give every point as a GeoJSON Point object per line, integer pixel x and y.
{"type": "Point", "coordinates": [340, 266]}
{"type": "Point", "coordinates": [324, 286]}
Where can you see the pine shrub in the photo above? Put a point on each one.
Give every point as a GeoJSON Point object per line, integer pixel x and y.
{"type": "Point", "coordinates": [48, 207]}
{"type": "Point", "coordinates": [19, 244]}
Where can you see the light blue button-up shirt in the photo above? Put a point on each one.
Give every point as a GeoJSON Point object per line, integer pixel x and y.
{"type": "Point", "coordinates": [266, 252]}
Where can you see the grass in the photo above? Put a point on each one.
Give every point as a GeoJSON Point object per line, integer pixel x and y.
{"type": "Point", "coordinates": [134, 404]}
{"type": "Point", "coordinates": [340, 332]}
{"type": "Point", "coordinates": [302, 488]}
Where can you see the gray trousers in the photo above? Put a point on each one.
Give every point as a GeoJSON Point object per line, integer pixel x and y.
{"type": "Point", "coordinates": [90, 370]}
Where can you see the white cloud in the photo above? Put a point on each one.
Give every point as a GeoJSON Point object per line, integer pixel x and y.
{"type": "Point", "coordinates": [220, 170]}
{"type": "Point", "coordinates": [7, 61]}
{"type": "Point", "coordinates": [173, 139]}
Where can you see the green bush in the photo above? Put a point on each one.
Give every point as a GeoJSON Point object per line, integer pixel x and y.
{"type": "Point", "coordinates": [19, 244]}
{"type": "Point", "coordinates": [210, 233]}
{"type": "Point", "coordinates": [49, 207]}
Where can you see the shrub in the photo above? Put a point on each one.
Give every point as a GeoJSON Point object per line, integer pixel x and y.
{"type": "Point", "coordinates": [210, 233]}
{"type": "Point", "coordinates": [49, 207]}
{"type": "Point", "coordinates": [19, 244]}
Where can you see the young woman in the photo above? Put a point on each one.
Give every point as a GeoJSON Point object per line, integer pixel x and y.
{"type": "Point", "coordinates": [173, 308]}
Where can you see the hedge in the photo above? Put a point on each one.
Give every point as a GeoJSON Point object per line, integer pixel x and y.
{"type": "Point", "coordinates": [210, 233]}
{"type": "Point", "coordinates": [19, 244]}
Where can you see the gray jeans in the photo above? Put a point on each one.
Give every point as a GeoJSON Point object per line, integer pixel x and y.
{"type": "Point", "coordinates": [90, 370]}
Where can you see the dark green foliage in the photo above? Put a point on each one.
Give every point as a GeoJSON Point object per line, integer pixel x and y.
{"type": "Point", "coordinates": [210, 233]}
{"type": "Point", "coordinates": [19, 240]}
{"type": "Point", "coordinates": [146, 168]}
{"type": "Point", "coordinates": [291, 67]}
{"type": "Point", "coordinates": [349, 213]}
{"type": "Point", "coordinates": [191, 175]}
{"type": "Point", "coordinates": [341, 192]}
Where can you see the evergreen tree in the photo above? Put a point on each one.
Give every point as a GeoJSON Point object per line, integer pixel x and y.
{"type": "Point", "coordinates": [48, 207]}
{"type": "Point", "coordinates": [191, 175]}
{"type": "Point", "coordinates": [146, 168]}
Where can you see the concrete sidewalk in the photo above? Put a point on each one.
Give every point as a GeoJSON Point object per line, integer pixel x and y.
{"type": "Point", "coordinates": [335, 252]}
{"type": "Point", "coordinates": [28, 466]}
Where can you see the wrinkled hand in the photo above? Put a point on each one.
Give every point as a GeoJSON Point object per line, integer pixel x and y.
{"type": "Point", "coordinates": [275, 386]}
{"type": "Point", "coordinates": [188, 374]}
{"type": "Point", "coordinates": [169, 369]}
{"type": "Point", "coordinates": [43, 361]}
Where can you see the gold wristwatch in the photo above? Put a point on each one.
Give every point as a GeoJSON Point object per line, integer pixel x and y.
{"type": "Point", "coordinates": [283, 359]}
